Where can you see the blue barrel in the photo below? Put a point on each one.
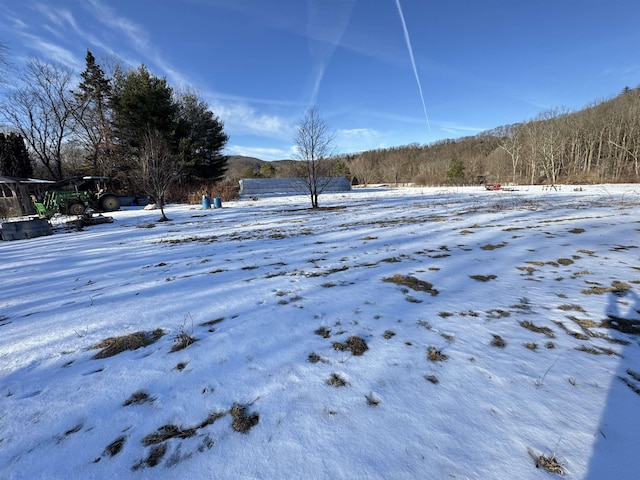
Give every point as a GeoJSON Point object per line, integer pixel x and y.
{"type": "Point", "coordinates": [206, 201]}
{"type": "Point", "coordinates": [217, 202]}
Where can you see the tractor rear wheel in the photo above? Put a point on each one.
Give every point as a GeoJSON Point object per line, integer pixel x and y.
{"type": "Point", "coordinates": [76, 209]}
{"type": "Point", "coordinates": [109, 203]}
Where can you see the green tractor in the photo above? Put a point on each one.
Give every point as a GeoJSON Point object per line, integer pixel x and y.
{"type": "Point", "coordinates": [75, 196]}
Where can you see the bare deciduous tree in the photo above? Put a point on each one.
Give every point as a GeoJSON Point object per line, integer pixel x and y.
{"type": "Point", "coordinates": [41, 111]}
{"type": "Point", "coordinates": [158, 167]}
{"type": "Point", "coordinates": [314, 143]}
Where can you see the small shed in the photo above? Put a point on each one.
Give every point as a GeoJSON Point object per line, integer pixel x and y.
{"type": "Point", "coordinates": [261, 186]}
{"type": "Point", "coordinates": [15, 195]}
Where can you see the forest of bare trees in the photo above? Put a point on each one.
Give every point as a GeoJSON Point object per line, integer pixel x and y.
{"type": "Point", "coordinates": [600, 143]}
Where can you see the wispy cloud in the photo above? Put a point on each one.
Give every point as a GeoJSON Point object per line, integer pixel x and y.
{"type": "Point", "coordinates": [54, 52]}
{"type": "Point", "coordinates": [137, 37]}
{"type": "Point", "coordinates": [243, 119]}
{"type": "Point", "coordinates": [326, 26]}
{"type": "Point", "coordinates": [458, 130]}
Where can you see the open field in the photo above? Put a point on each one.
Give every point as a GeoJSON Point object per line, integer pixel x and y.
{"type": "Point", "coordinates": [393, 333]}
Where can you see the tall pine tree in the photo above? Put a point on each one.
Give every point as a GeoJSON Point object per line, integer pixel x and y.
{"type": "Point", "coordinates": [93, 117]}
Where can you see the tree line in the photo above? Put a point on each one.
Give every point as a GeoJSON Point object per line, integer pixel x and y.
{"type": "Point", "coordinates": [598, 144]}
{"type": "Point", "coordinates": [131, 126]}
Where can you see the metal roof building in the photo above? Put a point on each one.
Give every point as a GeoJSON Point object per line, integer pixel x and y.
{"type": "Point", "coordinates": [262, 186]}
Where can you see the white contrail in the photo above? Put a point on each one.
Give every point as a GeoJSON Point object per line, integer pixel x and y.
{"type": "Point", "coordinates": [413, 62]}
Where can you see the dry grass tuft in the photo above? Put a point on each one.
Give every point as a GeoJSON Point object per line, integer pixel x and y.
{"type": "Point", "coordinates": [616, 287]}
{"type": "Point", "coordinates": [181, 341]}
{"type": "Point", "coordinates": [550, 464]}
{"type": "Point", "coordinates": [436, 355]}
{"type": "Point", "coordinates": [243, 422]}
{"type": "Point", "coordinates": [498, 341]}
{"type": "Point", "coordinates": [387, 335]}
{"type": "Point", "coordinates": [167, 432]}
{"type": "Point", "coordinates": [138, 398]}
{"type": "Point", "coordinates": [114, 345]}
{"type": "Point", "coordinates": [115, 447]}
{"type": "Point", "coordinates": [623, 325]}
{"type": "Point", "coordinates": [412, 283]}
{"type": "Point", "coordinates": [483, 278]}
{"type": "Point", "coordinates": [356, 344]}
{"type": "Point", "coordinates": [493, 247]}
{"type": "Point", "coordinates": [336, 380]}
{"type": "Point", "coordinates": [545, 330]}
{"type": "Point", "coordinates": [565, 261]}
{"type": "Point", "coordinates": [324, 332]}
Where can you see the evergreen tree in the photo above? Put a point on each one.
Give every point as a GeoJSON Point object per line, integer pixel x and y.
{"type": "Point", "coordinates": [141, 103]}
{"type": "Point", "coordinates": [200, 138]}
{"type": "Point", "coordinates": [93, 116]}
{"type": "Point", "coordinates": [14, 158]}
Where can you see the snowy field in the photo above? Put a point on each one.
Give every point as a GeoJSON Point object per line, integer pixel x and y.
{"type": "Point", "coordinates": [392, 334]}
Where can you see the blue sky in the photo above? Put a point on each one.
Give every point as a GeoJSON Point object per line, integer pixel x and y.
{"type": "Point", "coordinates": [260, 63]}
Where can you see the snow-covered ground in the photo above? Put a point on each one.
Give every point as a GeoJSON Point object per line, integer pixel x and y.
{"type": "Point", "coordinates": [499, 327]}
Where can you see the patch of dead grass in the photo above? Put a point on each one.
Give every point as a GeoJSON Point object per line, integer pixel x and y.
{"type": "Point", "coordinates": [534, 328]}
{"type": "Point", "coordinates": [493, 246]}
{"type": "Point", "coordinates": [335, 380]}
{"type": "Point", "coordinates": [114, 345]}
{"type": "Point", "coordinates": [483, 278]}
{"type": "Point", "coordinates": [355, 344]}
{"type": "Point", "coordinates": [412, 283]}
{"type": "Point", "coordinates": [243, 421]}
{"type": "Point", "coordinates": [436, 355]}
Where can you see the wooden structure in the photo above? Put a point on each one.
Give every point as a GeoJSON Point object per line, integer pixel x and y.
{"type": "Point", "coordinates": [15, 195]}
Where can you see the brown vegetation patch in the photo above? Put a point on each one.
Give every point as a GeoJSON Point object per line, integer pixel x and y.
{"type": "Point", "coordinates": [324, 332]}
{"type": "Point", "coordinates": [336, 380]}
{"type": "Point", "coordinates": [550, 464]}
{"type": "Point", "coordinates": [498, 341]}
{"type": "Point", "coordinates": [493, 247]}
{"type": "Point", "coordinates": [616, 287]}
{"type": "Point", "coordinates": [498, 313]}
{"type": "Point", "coordinates": [169, 431]}
{"type": "Point", "coordinates": [531, 345]}
{"type": "Point", "coordinates": [577, 230]}
{"type": "Point", "coordinates": [412, 282]}
{"type": "Point", "coordinates": [211, 323]}
{"type": "Point", "coordinates": [530, 326]}
{"type": "Point", "coordinates": [242, 421]}
{"type": "Point", "coordinates": [138, 398]}
{"type": "Point", "coordinates": [631, 327]}
{"type": "Point", "coordinates": [483, 278]}
{"type": "Point", "coordinates": [436, 355]}
{"type": "Point", "coordinates": [388, 334]}
{"type": "Point", "coordinates": [527, 269]}
{"type": "Point", "coordinates": [356, 344]}
{"type": "Point", "coordinates": [574, 334]}
{"type": "Point", "coordinates": [567, 307]}
{"type": "Point", "coordinates": [115, 447]}
{"type": "Point", "coordinates": [635, 388]}
{"type": "Point", "coordinates": [315, 358]}
{"type": "Point", "coordinates": [565, 261]}
{"type": "Point", "coordinates": [114, 345]}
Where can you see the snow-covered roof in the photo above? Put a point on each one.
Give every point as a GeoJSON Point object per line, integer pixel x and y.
{"type": "Point", "coordinates": [23, 180]}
